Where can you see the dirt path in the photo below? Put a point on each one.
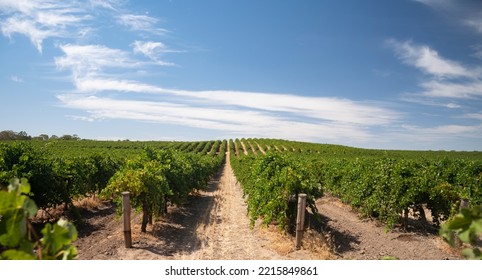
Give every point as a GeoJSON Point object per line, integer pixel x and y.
{"type": "Point", "coordinates": [354, 238]}
{"type": "Point", "coordinates": [252, 148]}
{"type": "Point", "coordinates": [245, 151]}
{"type": "Point", "coordinates": [213, 225]}
{"type": "Point", "coordinates": [227, 222]}
{"type": "Point", "coordinates": [260, 148]}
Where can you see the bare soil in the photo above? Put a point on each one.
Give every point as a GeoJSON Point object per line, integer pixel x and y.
{"type": "Point", "coordinates": [213, 225]}
{"type": "Point", "coordinates": [367, 239]}
{"type": "Point", "coordinates": [245, 151]}
{"type": "Point", "coordinates": [261, 148]}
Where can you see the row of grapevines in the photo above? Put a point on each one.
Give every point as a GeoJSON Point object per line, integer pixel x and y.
{"type": "Point", "coordinates": [55, 180]}
{"type": "Point", "coordinates": [379, 183]}
{"type": "Point", "coordinates": [59, 174]}
{"type": "Point", "coordinates": [384, 187]}
{"type": "Point", "coordinates": [161, 177]}
{"type": "Point", "coordinates": [271, 184]}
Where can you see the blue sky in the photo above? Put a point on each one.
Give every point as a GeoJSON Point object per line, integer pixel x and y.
{"type": "Point", "coordinates": [399, 74]}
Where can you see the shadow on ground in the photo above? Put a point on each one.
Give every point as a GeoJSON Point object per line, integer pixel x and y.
{"type": "Point", "coordinates": [176, 233]}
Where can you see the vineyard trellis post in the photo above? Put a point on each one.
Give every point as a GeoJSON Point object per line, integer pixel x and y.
{"type": "Point", "coordinates": [126, 214]}
{"type": "Point", "coordinates": [464, 203]}
{"type": "Point", "coordinates": [300, 219]}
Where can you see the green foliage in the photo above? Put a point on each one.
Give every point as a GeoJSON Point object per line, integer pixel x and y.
{"type": "Point", "coordinates": [56, 179]}
{"type": "Point", "coordinates": [16, 208]}
{"type": "Point", "coordinates": [466, 226]}
{"type": "Point", "coordinates": [56, 242]}
{"type": "Point", "coordinates": [161, 176]}
{"type": "Point", "coordinates": [22, 160]}
{"type": "Point", "coordinates": [384, 187]}
{"type": "Point", "coordinates": [146, 182]}
{"type": "Point", "coordinates": [271, 185]}
{"type": "Point", "coordinates": [379, 183]}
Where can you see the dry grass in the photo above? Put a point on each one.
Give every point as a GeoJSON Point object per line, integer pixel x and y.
{"type": "Point", "coordinates": [314, 245]}
{"type": "Point", "coordinates": [90, 203]}
{"type": "Point", "coordinates": [52, 214]}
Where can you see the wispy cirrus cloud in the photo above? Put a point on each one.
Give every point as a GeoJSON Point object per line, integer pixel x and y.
{"type": "Point", "coordinates": [92, 60]}
{"type": "Point", "coordinates": [477, 116]}
{"type": "Point", "coordinates": [152, 50]}
{"type": "Point", "coordinates": [106, 4]}
{"type": "Point", "coordinates": [321, 108]}
{"type": "Point", "coordinates": [445, 79]}
{"type": "Point", "coordinates": [39, 20]}
{"type": "Point", "coordinates": [475, 23]}
{"type": "Point", "coordinates": [466, 12]}
{"type": "Point", "coordinates": [437, 133]}
{"type": "Point", "coordinates": [16, 79]}
{"type": "Point", "coordinates": [448, 89]}
{"type": "Point", "coordinates": [245, 121]}
{"type": "Point", "coordinates": [143, 23]}
{"type": "Point", "coordinates": [429, 61]}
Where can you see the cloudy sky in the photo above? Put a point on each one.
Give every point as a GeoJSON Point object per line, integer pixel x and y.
{"type": "Point", "coordinates": [399, 74]}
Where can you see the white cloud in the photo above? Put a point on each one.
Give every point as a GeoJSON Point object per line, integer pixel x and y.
{"type": "Point", "coordinates": [444, 131]}
{"type": "Point", "coordinates": [140, 23]}
{"type": "Point", "coordinates": [236, 121]}
{"type": "Point", "coordinates": [23, 6]}
{"type": "Point", "coordinates": [446, 80]}
{"type": "Point", "coordinates": [477, 116]}
{"type": "Point", "coordinates": [436, 3]}
{"type": "Point", "coordinates": [28, 28]}
{"type": "Point", "coordinates": [91, 60]}
{"type": "Point", "coordinates": [447, 89]}
{"type": "Point", "coordinates": [476, 23]}
{"type": "Point", "coordinates": [80, 118]}
{"type": "Point", "coordinates": [106, 4]}
{"type": "Point", "coordinates": [16, 79]}
{"type": "Point", "coordinates": [428, 60]}
{"type": "Point", "coordinates": [452, 105]}
{"type": "Point", "coordinates": [39, 20]}
{"type": "Point", "coordinates": [321, 108]}
{"type": "Point", "coordinates": [466, 12]}
{"type": "Point", "coordinates": [92, 85]}
{"type": "Point", "coordinates": [152, 50]}
{"type": "Point", "coordinates": [448, 136]}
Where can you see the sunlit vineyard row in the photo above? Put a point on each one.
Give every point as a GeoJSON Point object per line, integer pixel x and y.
{"type": "Point", "coordinates": [379, 183]}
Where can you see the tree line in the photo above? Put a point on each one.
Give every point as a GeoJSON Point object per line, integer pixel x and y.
{"type": "Point", "coordinates": [22, 135]}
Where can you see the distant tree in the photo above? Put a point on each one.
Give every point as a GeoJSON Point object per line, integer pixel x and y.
{"type": "Point", "coordinates": [7, 135]}
{"type": "Point", "coordinates": [54, 137]}
{"type": "Point", "coordinates": [12, 135]}
{"type": "Point", "coordinates": [41, 137]}
{"type": "Point", "coordinates": [69, 137]}
{"type": "Point", "coordinates": [22, 135]}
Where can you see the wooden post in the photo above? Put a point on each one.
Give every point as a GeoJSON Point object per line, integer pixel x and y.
{"type": "Point", "coordinates": [126, 213]}
{"type": "Point", "coordinates": [300, 219]}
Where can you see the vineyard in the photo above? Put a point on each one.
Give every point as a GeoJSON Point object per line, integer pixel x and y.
{"type": "Point", "coordinates": [380, 184]}
{"type": "Point", "coordinates": [384, 185]}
